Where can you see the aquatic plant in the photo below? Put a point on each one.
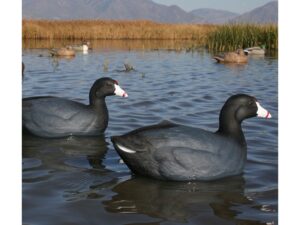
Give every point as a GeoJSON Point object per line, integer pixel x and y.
{"type": "Point", "coordinates": [234, 36]}
{"type": "Point", "coordinates": [128, 67]}
{"type": "Point", "coordinates": [215, 37]}
{"type": "Point", "coordinates": [105, 65]}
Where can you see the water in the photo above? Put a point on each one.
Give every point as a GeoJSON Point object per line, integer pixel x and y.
{"type": "Point", "coordinates": [80, 180]}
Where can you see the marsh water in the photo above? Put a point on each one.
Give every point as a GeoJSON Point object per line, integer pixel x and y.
{"type": "Point", "coordinates": [81, 180]}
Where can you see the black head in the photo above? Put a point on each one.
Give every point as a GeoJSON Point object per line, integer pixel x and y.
{"type": "Point", "coordinates": [241, 106]}
{"type": "Point", "coordinates": [236, 109]}
{"type": "Point", "coordinates": [105, 87]}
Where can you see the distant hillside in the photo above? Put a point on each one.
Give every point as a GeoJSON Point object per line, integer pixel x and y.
{"type": "Point", "coordinates": [140, 9]}
{"type": "Point", "coordinates": [213, 15]}
{"type": "Point", "coordinates": [267, 13]}
{"type": "Point", "coordinates": [104, 9]}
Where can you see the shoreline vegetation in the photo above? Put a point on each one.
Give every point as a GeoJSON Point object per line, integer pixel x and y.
{"type": "Point", "coordinates": [215, 37]}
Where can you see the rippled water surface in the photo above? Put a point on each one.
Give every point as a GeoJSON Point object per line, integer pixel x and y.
{"type": "Point", "coordinates": [80, 180]}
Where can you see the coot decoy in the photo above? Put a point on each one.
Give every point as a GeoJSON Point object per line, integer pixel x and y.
{"type": "Point", "coordinates": [49, 116]}
{"type": "Point", "coordinates": [170, 151]}
{"type": "Point", "coordinates": [233, 57]}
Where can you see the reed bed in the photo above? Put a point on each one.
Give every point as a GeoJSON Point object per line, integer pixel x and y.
{"type": "Point", "coordinates": [112, 30]}
{"type": "Point", "coordinates": [234, 36]}
{"type": "Point", "coordinates": [215, 37]}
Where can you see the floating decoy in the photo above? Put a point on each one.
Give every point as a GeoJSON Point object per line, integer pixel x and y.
{"type": "Point", "coordinates": [233, 57]}
{"type": "Point", "coordinates": [48, 116]}
{"type": "Point", "coordinates": [84, 47]}
{"type": "Point", "coordinates": [170, 151]}
{"type": "Point", "coordinates": [255, 50]}
{"type": "Point", "coordinates": [67, 52]}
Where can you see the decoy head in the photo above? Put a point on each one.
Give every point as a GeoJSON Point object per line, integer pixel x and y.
{"type": "Point", "coordinates": [240, 51]}
{"type": "Point", "coordinates": [244, 106]}
{"type": "Point", "coordinates": [105, 87]}
{"type": "Point", "coordinates": [86, 42]}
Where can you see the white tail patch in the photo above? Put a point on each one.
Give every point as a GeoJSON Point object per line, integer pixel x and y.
{"type": "Point", "coordinates": [124, 149]}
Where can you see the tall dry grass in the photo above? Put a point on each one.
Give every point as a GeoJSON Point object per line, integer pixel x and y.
{"type": "Point", "coordinates": [110, 29]}
{"type": "Point", "coordinates": [215, 37]}
{"type": "Point", "coordinates": [234, 36]}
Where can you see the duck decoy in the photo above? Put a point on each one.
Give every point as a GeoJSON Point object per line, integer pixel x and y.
{"type": "Point", "coordinates": [66, 52]}
{"type": "Point", "coordinates": [255, 50]}
{"type": "Point", "coordinates": [170, 151]}
{"type": "Point", "coordinates": [84, 47]}
{"type": "Point", "coordinates": [48, 116]}
{"type": "Point", "coordinates": [233, 57]}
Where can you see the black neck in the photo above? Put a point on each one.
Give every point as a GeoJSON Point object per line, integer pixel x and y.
{"type": "Point", "coordinates": [96, 97]}
{"type": "Point", "coordinates": [230, 126]}
{"type": "Point", "coordinates": [98, 103]}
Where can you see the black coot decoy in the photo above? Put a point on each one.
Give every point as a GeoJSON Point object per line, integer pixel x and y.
{"type": "Point", "coordinates": [170, 151]}
{"type": "Point", "coordinates": [48, 116]}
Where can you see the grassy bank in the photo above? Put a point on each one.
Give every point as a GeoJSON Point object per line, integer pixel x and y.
{"type": "Point", "coordinates": [232, 37]}
{"type": "Point", "coordinates": [215, 37]}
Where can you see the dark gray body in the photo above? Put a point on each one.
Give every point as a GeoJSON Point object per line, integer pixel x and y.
{"type": "Point", "coordinates": [176, 152]}
{"type": "Point", "coordinates": [58, 117]}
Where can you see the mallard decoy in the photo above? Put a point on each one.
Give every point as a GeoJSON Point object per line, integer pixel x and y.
{"type": "Point", "coordinates": [233, 57]}
{"type": "Point", "coordinates": [62, 52]}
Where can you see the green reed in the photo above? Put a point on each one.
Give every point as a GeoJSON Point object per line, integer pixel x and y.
{"type": "Point", "coordinates": [233, 36]}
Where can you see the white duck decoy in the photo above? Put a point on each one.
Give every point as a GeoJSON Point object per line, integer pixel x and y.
{"type": "Point", "coordinates": [84, 47]}
{"type": "Point", "coordinates": [257, 50]}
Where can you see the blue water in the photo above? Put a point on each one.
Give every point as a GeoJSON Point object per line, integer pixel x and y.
{"type": "Point", "coordinates": [82, 181]}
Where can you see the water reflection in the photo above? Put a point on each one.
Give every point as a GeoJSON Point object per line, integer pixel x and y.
{"type": "Point", "coordinates": [235, 66]}
{"type": "Point", "coordinates": [70, 164]}
{"type": "Point", "coordinates": [68, 57]}
{"type": "Point", "coordinates": [55, 60]}
{"type": "Point", "coordinates": [64, 153]}
{"type": "Point", "coordinates": [177, 201]}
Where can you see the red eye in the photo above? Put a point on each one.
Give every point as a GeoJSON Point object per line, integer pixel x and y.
{"type": "Point", "coordinates": [116, 82]}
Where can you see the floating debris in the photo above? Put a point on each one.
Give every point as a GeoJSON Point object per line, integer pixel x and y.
{"type": "Point", "coordinates": [105, 65]}
{"type": "Point", "coordinates": [128, 67]}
